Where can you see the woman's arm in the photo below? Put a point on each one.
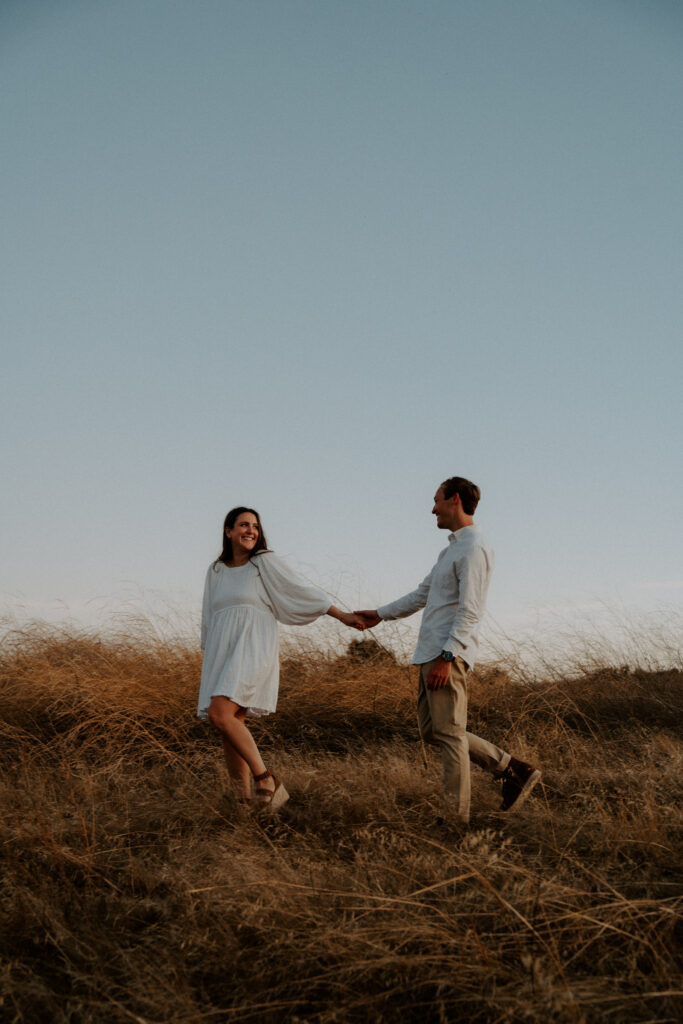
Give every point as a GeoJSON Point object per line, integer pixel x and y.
{"type": "Point", "coordinates": [294, 600]}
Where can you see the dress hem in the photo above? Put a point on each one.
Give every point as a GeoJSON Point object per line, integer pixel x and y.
{"type": "Point", "coordinates": [251, 712]}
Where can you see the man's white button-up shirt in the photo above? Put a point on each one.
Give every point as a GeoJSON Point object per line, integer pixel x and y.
{"type": "Point", "coordinates": [453, 597]}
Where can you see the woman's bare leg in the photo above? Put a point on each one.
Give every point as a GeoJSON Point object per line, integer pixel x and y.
{"type": "Point", "coordinates": [239, 746]}
{"type": "Point", "coordinates": [238, 769]}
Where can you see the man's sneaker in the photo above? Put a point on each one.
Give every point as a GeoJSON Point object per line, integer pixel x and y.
{"type": "Point", "coordinates": [517, 784]}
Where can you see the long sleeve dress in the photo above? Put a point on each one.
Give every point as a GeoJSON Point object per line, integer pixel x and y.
{"type": "Point", "coordinates": [240, 638]}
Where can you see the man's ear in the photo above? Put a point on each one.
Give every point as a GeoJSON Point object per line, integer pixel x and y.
{"type": "Point", "coordinates": [456, 499]}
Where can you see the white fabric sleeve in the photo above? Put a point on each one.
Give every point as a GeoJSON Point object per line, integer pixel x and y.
{"type": "Point", "coordinates": [206, 606]}
{"type": "Point", "coordinates": [409, 603]}
{"type": "Point", "coordinates": [294, 602]}
{"type": "Point", "coordinates": [473, 574]}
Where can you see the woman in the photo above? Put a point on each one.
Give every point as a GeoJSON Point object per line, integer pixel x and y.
{"type": "Point", "coordinates": [248, 590]}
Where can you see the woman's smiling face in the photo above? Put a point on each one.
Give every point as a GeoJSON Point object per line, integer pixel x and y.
{"type": "Point", "coordinates": [243, 535]}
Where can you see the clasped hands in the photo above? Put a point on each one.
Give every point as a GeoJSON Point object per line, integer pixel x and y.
{"type": "Point", "coordinates": [368, 618]}
{"type": "Point", "coordinates": [358, 620]}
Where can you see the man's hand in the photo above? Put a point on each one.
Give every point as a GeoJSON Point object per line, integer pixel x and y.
{"type": "Point", "coordinates": [369, 617]}
{"type": "Point", "coordinates": [439, 674]}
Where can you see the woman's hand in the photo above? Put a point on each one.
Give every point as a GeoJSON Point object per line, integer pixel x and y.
{"type": "Point", "coordinates": [348, 618]}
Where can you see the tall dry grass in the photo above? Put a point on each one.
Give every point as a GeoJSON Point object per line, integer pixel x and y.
{"type": "Point", "coordinates": [133, 888]}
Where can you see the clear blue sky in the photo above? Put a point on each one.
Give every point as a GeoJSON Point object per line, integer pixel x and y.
{"type": "Point", "coordinates": [315, 256]}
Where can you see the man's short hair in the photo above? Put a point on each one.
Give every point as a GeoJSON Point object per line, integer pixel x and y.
{"type": "Point", "coordinates": [469, 492]}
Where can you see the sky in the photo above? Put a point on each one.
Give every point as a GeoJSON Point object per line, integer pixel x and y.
{"type": "Point", "coordinates": [315, 257]}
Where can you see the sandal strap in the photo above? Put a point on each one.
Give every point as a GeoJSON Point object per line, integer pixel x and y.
{"type": "Point", "coordinates": [264, 775]}
{"type": "Point", "coordinates": [269, 792]}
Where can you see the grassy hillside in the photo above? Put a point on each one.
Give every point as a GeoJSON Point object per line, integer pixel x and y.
{"type": "Point", "coordinates": [134, 889]}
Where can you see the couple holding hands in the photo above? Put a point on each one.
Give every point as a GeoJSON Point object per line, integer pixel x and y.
{"type": "Point", "coordinates": [248, 590]}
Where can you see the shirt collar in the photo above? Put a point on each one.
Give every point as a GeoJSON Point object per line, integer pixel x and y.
{"type": "Point", "coordinates": [463, 531]}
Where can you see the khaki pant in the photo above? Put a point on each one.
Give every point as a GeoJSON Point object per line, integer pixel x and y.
{"type": "Point", "coordinates": [442, 719]}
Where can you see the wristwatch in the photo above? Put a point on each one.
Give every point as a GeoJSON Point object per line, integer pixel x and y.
{"type": "Point", "coordinates": [448, 655]}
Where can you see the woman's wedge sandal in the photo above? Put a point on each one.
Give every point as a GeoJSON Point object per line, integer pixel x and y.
{"type": "Point", "coordinates": [270, 800]}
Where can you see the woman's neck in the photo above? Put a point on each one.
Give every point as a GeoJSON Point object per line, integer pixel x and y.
{"type": "Point", "coordinates": [235, 563]}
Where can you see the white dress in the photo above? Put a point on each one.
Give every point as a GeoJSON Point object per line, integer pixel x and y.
{"type": "Point", "coordinates": [240, 638]}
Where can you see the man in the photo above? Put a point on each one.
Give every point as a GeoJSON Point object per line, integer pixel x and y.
{"type": "Point", "coordinates": [453, 596]}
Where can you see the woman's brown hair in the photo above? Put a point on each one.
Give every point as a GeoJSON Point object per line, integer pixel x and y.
{"type": "Point", "coordinates": [233, 515]}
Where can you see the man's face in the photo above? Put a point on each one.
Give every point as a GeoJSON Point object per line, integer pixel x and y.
{"type": "Point", "coordinates": [443, 510]}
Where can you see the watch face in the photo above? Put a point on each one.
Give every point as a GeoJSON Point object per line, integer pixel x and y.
{"type": "Point", "coordinates": [447, 656]}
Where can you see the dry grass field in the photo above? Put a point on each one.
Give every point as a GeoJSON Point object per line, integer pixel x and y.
{"type": "Point", "coordinates": [134, 889]}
